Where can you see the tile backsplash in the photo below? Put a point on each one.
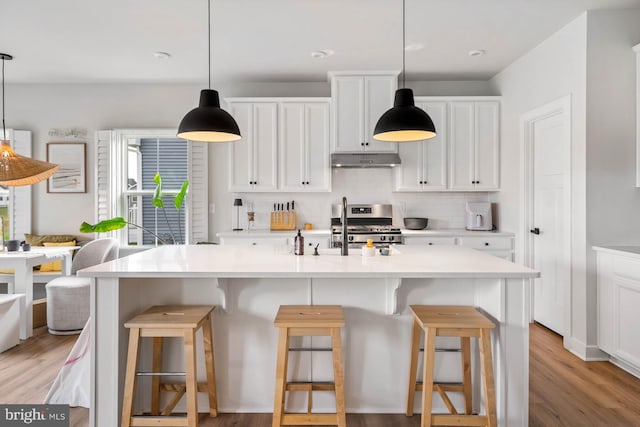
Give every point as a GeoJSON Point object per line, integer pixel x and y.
{"type": "Point", "coordinates": [444, 209]}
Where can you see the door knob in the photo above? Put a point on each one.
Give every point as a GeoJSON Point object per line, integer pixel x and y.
{"type": "Point", "coordinates": [535, 230]}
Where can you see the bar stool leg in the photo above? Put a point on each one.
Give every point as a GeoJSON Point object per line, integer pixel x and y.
{"type": "Point", "coordinates": [427, 382]}
{"type": "Point", "coordinates": [155, 380]}
{"type": "Point", "coordinates": [487, 377]}
{"type": "Point", "coordinates": [130, 377]}
{"type": "Point", "coordinates": [465, 346]}
{"type": "Point", "coordinates": [281, 376]}
{"type": "Point", "coordinates": [413, 366]}
{"type": "Point", "coordinates": [336, 345]}
{"type": "Point", "coordinates": [191, 382]}
{"type": "Point", "coordinates": [207, 334]}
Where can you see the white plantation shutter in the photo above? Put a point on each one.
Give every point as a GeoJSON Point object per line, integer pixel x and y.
{"type": "Point", "coordinates": [106, 195]}
{"type": "Point", "coordinates": [20, 197]}
{"type": "Point", "coordinates": [197, 198]}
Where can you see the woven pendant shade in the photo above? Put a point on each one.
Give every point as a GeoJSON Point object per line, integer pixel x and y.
{"type": "Point", "coordinates": [16, 170]}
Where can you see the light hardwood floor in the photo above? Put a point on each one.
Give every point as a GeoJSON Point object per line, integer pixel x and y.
{"type": "Point", "coordinates": [564, 391]}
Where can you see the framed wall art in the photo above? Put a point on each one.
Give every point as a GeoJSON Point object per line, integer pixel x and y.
{"type": "Point", "coordinates": [72, 175]}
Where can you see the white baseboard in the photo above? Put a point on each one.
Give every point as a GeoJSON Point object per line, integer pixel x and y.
{"type": "Point", "coordinates": [625, 366]}
{"type": "Point", "coordinates": [588, 353]}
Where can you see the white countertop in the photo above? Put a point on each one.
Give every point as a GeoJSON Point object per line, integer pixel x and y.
{"type": "Point", "coordinates": [222, 261]}
{"type": "Point", "coordinates": [454, 232]}
{"type": "Point", "coordinates": [446, 232]}
{"type": "Point", "coordinates": [624, 250]}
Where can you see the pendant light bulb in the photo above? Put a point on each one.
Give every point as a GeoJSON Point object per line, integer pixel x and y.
{"type": "Point", "coordinates": [208, 122]}
{"type": "Point", "coordinates": [404, 122]}
{"type": "Point", "coordinates": [17, 170]}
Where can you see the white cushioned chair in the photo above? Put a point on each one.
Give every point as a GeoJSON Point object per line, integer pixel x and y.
{"type": "Point", "coordinates": [68, 297]}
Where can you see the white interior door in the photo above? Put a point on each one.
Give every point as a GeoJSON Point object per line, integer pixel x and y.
{"type": "Point", "coordinates": [550, 232]}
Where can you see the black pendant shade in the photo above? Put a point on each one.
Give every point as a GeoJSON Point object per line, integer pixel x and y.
{"type": "Point", "coordinates": [208, 122]}
{"type": "Point", "coordinates": [404, 122]}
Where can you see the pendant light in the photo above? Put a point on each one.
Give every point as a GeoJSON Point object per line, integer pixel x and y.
{"type": "Point", "coordinates": [208, 122]}
{"type": "Point", "coordinates": [15, 169]}
{"type": "Point", "coordinates": [404, 122]}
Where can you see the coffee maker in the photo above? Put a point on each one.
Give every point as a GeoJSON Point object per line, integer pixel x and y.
{"type": "Point", "coordinates": [479, 216]}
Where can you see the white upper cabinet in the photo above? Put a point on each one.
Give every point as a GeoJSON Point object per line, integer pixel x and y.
{"type": "Point", "coordinates": [474, 145]}
{"type": "Point", "coordinates": [304, 146]}
{"type": "Point", "coordinates": [358, 103]}
{"type": "Point", "coordinates": [253, 159]}
{"type": "Point", "coordinates": [424, 163]}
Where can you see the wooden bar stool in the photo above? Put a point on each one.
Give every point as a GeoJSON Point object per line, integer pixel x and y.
{"type": "Point", "coordinates": [453, 321]}
{"type": "Point", "coordinates": [308, 320]}
{"type": "Point", "coordinates": [159, 322]}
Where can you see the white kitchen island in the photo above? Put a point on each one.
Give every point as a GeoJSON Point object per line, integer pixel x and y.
{"type": "Point", "coordinates": [248, 283]}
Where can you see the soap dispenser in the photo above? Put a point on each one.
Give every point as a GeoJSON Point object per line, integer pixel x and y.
{"type": "Point", "coordinates": [299, 244]}
{"type": "Point", "coordinates": [369, 249]}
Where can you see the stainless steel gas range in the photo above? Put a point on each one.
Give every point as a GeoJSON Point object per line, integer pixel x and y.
{"type": "Point", "coordinates": [365, 222]}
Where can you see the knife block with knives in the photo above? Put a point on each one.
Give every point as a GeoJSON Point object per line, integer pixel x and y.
{"type": "Point", "coordinates": [282, 219]}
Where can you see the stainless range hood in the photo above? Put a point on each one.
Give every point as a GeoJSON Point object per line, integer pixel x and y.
{"type": "Point", "coordinates": [364, 160]}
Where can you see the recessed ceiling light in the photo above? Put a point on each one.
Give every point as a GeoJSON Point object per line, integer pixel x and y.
{"type": "Point", "coordinates": [413, 47]}
{"type": "Point", "coordinates": [161, 55]}
{"type": "Point", "coordinates": [322, 53]}
{"type": "Point", "coordinates": [478, 52]}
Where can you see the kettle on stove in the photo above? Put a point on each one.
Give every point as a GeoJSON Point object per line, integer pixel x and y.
{"type": "Point", "coordinates": [479, 216]}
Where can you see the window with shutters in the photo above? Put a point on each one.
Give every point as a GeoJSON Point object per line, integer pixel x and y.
{"type": "Point", "coordinates": [147, 157]}
{"type": "Point", "coordinates": [128, 161]}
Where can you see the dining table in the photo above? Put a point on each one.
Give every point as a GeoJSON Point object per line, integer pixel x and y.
{"type": "Point", "coordinates": [22, 263]}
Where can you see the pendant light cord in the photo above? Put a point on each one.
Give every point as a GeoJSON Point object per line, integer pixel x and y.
{"type": "Point", "coordinates": [403, 43]}
{"type": "Point", "coordinates": [4, 130]}
{"type": "Point", "coordinates": [209, 38]}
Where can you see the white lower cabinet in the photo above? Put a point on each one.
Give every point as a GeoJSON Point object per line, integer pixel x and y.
{"type": "Point", "coordinates": [278, 239]}
{"type": "Point", "coordinates": [430, 241]}
{"type": "Point", "coordinates": [618, 301]}
{"type": "Point", "coordinates": [500, 246]}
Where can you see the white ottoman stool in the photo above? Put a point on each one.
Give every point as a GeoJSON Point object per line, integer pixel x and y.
{"type": "Point", "coordinates": [11, 309]}
{"type": "Point", "coordinates": [68, 304]}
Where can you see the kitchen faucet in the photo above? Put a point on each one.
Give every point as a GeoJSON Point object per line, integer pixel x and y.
{"type": "Point", "coordinates": [345, 236]}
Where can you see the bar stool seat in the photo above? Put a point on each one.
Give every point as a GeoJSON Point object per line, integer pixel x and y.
{"type": "Point", "coordinates": [309, 320]}
{"type": "Point", "coordinates": [159, 322]}
{"type": "Point", "coordinates": [454, 321]}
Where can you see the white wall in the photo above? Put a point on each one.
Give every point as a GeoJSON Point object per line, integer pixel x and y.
{"type": "Point", "coordinates": [553, 69]}
{"type": "Point", "coordinates": [591, 60]}
{"type": "Point", "coordinates": [613, 201]}
{"type": "Point", "coordinates": [42, 107]}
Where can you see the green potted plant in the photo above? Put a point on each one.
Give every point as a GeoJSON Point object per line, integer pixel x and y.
{"type": "Point", "coordinates": [117, 223]}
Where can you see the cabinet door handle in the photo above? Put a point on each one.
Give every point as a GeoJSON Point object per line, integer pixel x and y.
{"type": "Point", "coordinates": [366, 143]}
{"type": "Point", "coordinates": [430, 243]}
{"type": "Point", "coordinates": [362, 143]}
{"type": "Point", "coordinates": [535, 230]}
{"type": "Point", "coordinates": [486, 243]}
{"type": "Point", "coordinates": [307, 182]}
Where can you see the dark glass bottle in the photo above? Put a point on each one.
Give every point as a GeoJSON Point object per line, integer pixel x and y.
{"type": "Point", "coordinates": [299, 244]}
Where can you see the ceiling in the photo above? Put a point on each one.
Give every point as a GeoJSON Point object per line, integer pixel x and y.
{"type": "Point", "coordinates": [89, 41]}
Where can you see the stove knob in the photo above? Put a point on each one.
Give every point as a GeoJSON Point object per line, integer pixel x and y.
{"type": "Point", "coordinates": [351, 238]}
{"type": "Point", "coordinates": [391, 238]}
{"type": "Point", "coordinates": [383, 238]}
